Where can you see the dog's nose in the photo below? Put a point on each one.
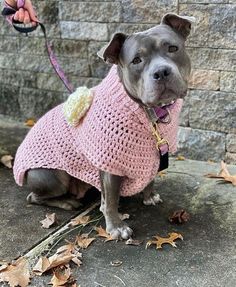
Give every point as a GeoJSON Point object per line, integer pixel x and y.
{"type": "Point", "coordinates": [162, 73]}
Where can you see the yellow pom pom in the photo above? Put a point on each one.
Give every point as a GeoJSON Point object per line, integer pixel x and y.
{"type": "Point", "coordinates": [77, 105]}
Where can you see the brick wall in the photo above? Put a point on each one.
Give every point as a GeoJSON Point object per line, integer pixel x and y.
{"type": "Point", "coordinates": [78, 29]}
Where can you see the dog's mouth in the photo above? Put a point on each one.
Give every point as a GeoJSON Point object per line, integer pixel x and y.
{"type": "Point", "coordinates": [167, 103]}
{"type": "Point", "coordinates": [165, 98]}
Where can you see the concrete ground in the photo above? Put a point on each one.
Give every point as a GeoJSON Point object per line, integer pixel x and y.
{"type": "Point", "coordinates": [206, 257]}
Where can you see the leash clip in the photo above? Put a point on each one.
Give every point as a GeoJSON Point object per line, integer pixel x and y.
{"type": "Point", "coordinates": [159, 140]}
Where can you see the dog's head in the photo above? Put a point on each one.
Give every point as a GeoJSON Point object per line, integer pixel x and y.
{"type": "Point", "coordinates": [153, 65]}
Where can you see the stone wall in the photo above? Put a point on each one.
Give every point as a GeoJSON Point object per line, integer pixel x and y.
{"type": "Point", "coordinates": [78, 29]}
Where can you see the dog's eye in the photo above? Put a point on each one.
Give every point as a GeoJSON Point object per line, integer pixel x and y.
{"type": "Point", "coordinates": [173, 49]}
{"type": "Point", "coordinates": [136, 60]}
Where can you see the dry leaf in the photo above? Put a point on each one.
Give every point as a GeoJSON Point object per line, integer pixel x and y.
{"type": "Point", "coordinates": [71, 248]}
{"type": "Point", "coordinates": [3, 267]}
{"type": "Point", "coordinates": [161, 240]}
{"type": "Point", "coordinates": [76, 261]}
{"type": "Point", "coordinates": [44, 264]}
{"type": "Point", "coordinates": [61, 277]}
{"type": "Point", "coordinates": [116, 263]}
{"type": "Point", "coordinates": [102, 233]}
{"type": "Point", "coordinates": [30, 122]}
{"type": "Point", "coordinates": [63, 256]}
{"type": "Point", "coordinates": [68, 248]}
{"type": "Point", "coordinates": [60, 259]}
{"type": "Point", "coordinates": [179, 216]}
{"type": "Point", "coordinates": [133, 242]}
{"type": "Point", "coordinates": [224, 174]}
{"type": "Point", "coordinates": [7, 160]}
{"type": "Point", "coordinates": [180, 157]}
{"type": "Point", "coordinates": [41, 266]}
{"type": "Point", "coordinates": [80, 220]}
{"type": "Point", "coordinates": [50, 220]}
{"type": "Point", "coordinates": [16, 274]}
{"type": "Point", "coordinates": [162, 173]}
{"type": "Point", "coordinates": [83, 241]}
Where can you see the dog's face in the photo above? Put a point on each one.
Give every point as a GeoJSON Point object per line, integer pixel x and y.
{"type": "Point", "coordinates": [153, 65]}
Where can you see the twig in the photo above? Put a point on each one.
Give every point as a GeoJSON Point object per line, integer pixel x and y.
{"type": "Point", "coordinates": [37, 250]}
{"type": "Point", "coordinates": [120, 279]}
{"type": "Point", "coordinates": [99, 284]}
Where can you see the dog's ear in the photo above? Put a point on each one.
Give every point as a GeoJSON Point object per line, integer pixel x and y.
{"type": "Point", "coordinates": [110, 53]}
{"type": "Point", "coordinates": [181, 24]}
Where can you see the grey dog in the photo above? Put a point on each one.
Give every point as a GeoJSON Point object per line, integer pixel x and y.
{"type": "Point", "coordinates": [154, 69]}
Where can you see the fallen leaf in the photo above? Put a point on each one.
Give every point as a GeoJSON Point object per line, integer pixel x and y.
{"type": "Point", "coordinates": [41, 266]}
{"type": "Point", "coordinates": [179, 216]}
{"type": "Point", "coordinates": [133, 242]}
{"type": "Point", "coordinates": [61, 277]}
{"type": "Point", "coordinates": [70, 247]}
{"type": "Point", "coordinates": [84, 241]}
{"type": "Point", "coordinates": [223, 174]}
{"type": "Point", "coordinates": [30, 122]}
{"type": "Point", "coordinates": [76, 261]}
{"type": "Point", "coordinates": [44, 264]}
{"type": "Point", "coordinates": [161, 240]}
{"type": "Point", "coordinates": [7, 160]}
{"type": "Point", "coordinates": [116, 263]}
{"type": "Point", "coordinates": [3, 267]}
{"type": "Point", "coordinates": [80, 220]}
{"type": "Point", "coordinates": [124, 216]}
{"type": "Point", "coordinates": [102, 233]}
{"type": "Point", "coordinates": [51, 219]}
{"type": "Point", "coordinates": [60, 259]}
{"type": "Point", "coordinates": [63, 256]}
{"type": "Point", "coordinates": [17, 273]}
{"type": "Point", "coordinates": [180, 157]}
{"type": "Point", "coordinates": [161, 173]}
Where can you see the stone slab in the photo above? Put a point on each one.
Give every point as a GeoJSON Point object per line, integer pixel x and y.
{"type": "Point", "coordinates": [20, 226]}
{"type": "Point", "coordinates": [213, 111]}
{"type": "Point", "coordinates": [201, 144]}
{"type": "Point", "coordinates": [90, 11]}
{"type": "Point", "coordinates": [206, 257]}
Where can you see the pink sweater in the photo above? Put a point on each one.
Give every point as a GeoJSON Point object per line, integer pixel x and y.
{"type": "Point", "coordinates": [114, 136]}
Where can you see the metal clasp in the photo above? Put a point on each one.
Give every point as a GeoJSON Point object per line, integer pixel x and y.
{"type": "Point", "coordinates": [159, 140]}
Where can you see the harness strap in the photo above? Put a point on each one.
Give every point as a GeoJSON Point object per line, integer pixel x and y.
{"type": "Point", "coordinates": [9, 12]}
{"type": "Point", "coordinates": [157, 115]}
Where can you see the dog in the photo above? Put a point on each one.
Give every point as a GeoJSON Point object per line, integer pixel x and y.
{"type": "Point", "coordinates": [152, 69]}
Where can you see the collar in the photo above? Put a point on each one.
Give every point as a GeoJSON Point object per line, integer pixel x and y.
{"type": "Point", "coordinates": [160, 115]}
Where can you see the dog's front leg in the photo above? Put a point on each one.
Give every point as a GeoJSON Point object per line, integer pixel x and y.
{"type": "Point", "coordinates": [110, 185]}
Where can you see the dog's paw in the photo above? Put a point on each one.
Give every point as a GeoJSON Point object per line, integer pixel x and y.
{"type": "Point", "coordinates": [68, 204]}
{"type": "Point", "coordinates": [122, 231]}
{"type": "Point", "coordinates": [153, 199]}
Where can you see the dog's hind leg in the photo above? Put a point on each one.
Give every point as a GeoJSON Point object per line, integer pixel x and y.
{"type": "Point", "coordinates": [109, 206]}
{"type": "Point", "coordinates": [48, 187]}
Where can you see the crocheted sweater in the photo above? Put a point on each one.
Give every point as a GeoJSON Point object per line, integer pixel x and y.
{"type": "Point", "coordinates": [114, 136]}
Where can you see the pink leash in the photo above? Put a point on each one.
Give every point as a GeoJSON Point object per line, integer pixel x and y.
{"type": "Point", "coordinates": [9, 12]}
